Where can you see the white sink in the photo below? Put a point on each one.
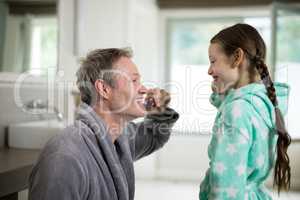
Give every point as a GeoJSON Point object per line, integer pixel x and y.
{"type": "Point", "coordinates": [33, 135]}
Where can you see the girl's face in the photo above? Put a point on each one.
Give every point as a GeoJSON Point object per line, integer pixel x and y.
{"type": "Point", "coordinates": [225, 75]}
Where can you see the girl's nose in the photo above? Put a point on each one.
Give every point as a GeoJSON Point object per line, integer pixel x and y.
{"type": "Point", "coordinates": [210, 71]}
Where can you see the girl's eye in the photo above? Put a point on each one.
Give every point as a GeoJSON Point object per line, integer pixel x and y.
{"type": "Point", "coordinates": [212, 62]}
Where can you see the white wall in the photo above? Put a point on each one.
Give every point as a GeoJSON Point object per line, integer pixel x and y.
{"type": "Point", "coordinates": [101, 24]}
{"type": "Point", "coordinates": [143, 37]}
{"type": "Point", "coordinates": [67, 61]}
{"type": "Point", "coordinates": [120, 23]}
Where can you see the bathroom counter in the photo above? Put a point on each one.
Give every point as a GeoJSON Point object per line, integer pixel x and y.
{"type": "Point", "coordinates": [15, 167]}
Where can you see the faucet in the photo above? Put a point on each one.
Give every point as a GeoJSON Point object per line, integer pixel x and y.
{"type": "Point", "coordinates": [38, 105]}
{"type": "Point", "coordinates": [58, 114]}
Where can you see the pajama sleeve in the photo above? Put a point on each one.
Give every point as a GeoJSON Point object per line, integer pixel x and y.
{"type": "Point", "coordinates": [205, 187]}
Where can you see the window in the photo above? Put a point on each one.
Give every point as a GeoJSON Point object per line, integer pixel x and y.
{"type": "Point", "coordinates": [187, 50]}
{"type": "Point", "coordinates": [29, 41]}
{"type": "Point", "coordinates": [43, 57]}
{"type": "Point", "coordinates": [288, 62]}
{"type": "Point", "coordinates": [189, 81]}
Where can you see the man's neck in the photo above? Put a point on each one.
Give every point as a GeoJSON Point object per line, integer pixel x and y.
{"type": "Point", "coordinates": [114, 122]}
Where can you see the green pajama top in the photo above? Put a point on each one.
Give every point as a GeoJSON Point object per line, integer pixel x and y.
{"type": "Point", "coordinates": [242, 148]}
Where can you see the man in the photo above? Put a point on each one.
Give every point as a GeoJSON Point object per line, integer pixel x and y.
{"type": "Point", "coordinates": [93, 159]}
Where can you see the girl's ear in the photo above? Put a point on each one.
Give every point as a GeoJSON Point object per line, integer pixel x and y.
{"type": "Point", "coordinates": [238, 57]}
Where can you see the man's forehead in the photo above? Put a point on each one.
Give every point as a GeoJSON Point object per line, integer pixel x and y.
{"type": "Point", "coordinates": [127, 66]}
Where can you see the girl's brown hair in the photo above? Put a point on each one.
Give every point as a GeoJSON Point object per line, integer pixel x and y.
{"type": "Point", "coordinates": [248, 39]}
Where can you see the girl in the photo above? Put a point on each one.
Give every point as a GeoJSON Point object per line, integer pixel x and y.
{"type": "Point", "coordinates": [249, 135]}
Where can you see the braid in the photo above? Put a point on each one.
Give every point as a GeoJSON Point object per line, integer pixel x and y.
{"type": "Point", "coordinates": [266, 78]}
{"type": "Point", "coordinates": [282, 171]}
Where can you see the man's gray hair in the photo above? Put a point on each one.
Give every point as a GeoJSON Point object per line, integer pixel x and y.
{"type": "Point", "coordinates": [98, 64]}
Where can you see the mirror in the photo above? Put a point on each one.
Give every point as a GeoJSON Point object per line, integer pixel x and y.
{"type": "Point", "coordinates": [28, 36]}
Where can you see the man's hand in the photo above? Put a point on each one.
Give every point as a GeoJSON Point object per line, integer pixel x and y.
{"type": "Point", "coordinates": [156, 100]}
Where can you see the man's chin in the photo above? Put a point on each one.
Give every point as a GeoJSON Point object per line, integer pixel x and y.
{"type": "Point", "coordinates": [140, 110]}
{"type": "Point", "coordinates": [136, 113]}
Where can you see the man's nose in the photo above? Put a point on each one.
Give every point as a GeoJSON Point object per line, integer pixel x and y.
{"type": "Point", "coordinates": [143, 89]}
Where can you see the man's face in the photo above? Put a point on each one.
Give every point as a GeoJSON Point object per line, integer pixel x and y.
{"type": "Point", "coordinates": [127, 93]}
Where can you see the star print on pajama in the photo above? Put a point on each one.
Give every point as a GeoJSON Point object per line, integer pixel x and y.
{"type": "Point", "coordinates": [242, 148]}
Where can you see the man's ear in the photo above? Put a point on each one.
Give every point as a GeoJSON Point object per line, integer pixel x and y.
{"type": "Point", "coordinates": [238, 57]}
{"type": "Point", "coordinates": [102, 88]}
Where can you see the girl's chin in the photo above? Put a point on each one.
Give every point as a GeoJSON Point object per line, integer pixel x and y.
{"type": "Point", "coordinates": [216, 86]}
{"type": "Point", "coordinates": [219, 88]}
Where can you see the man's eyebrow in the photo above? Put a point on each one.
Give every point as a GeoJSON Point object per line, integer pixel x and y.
{"type": "Point", "coordinates": [136, 74]}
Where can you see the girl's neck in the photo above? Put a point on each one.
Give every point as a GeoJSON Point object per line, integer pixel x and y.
{"type": "Point", "coordinates": [245, 79]}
